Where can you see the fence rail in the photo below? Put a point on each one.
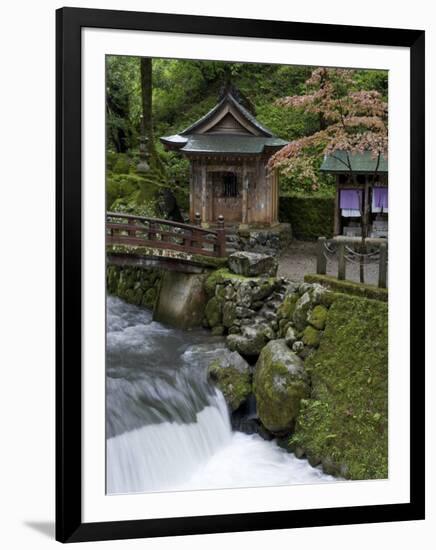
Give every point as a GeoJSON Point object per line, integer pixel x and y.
{"type": "Point", "coordinates": [352, 251]}
{"type": "Point", "coordinates": [157, 233]}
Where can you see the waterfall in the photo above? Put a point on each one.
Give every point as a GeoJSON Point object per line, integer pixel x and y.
{"type": "Point", "coordinates": [167, 427]}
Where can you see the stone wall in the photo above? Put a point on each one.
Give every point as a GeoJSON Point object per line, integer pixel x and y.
{"type": "Point", "coordinates": [266, 241]}
{"type": "Point", "coordinates": [316, 363]}
{"type": "Point", "coordinates": [251, 311]}
{"type": "Point", "coordinates": [135, 285]}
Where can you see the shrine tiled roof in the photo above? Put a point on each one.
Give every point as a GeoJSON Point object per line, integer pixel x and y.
{"type": "Point", "coordinates": [360, 163]}
{"type": "Point", "coordinates": [223, 143]}
{"type": "Point", "coordinates": [228, 128]}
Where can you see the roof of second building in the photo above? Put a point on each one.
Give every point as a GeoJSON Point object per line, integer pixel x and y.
{"type": "Point", "coordinates": [360, 162]}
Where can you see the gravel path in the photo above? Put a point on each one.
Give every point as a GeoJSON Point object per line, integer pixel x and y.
{"type": "Point", "coordinates": [300, 258]}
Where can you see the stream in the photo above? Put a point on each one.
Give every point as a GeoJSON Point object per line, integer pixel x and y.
{"type": "Point", "coordinates": [167, 428]}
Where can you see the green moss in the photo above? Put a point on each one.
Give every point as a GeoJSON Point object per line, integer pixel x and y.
{"type": "Point", "coordinates": [302, 311]}
{"type": "Point", "coordinates": [318, 317]}
{"type": "Point", "coordinates": [232, 376]}
{"type": "Point", "coordinates": [311, 336]}
{"type": "Point", "coordinates": [287, 307]}
{"type": "Point", "coordinates": [349, 287]}
{"type": "Point", "coordinates": [121, 164]}
{"type": "Point", "coordinates": [150, 297]}
{"type": "Point", "coordinates": [221, 276]}
{"type": "Point", "coordinates": [280, 382]}
{"type": "Point", "coordinates": [310, 216]}
{"type": "Point", "coordinates": [345, 422]}
{"type": "Point", "coordinates": [137, 286]}
{"type": "Point", "coordinates": [213, 312]}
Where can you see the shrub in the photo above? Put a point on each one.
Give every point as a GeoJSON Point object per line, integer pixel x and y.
{"type": "Point", "coordinates": [310, 216]}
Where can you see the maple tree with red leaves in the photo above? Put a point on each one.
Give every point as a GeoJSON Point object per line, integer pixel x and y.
{"type": "Point", "coordinates": [349, 121]}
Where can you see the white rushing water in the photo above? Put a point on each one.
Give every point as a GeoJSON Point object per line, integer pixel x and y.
{"type": "Point", "coordinates": [167, 428]}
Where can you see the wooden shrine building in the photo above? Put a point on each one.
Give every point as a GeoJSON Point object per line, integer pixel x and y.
{"type": "Point", "coordinates": [351, 197]}
{"type": "Point", "coordinates": [228, 150]}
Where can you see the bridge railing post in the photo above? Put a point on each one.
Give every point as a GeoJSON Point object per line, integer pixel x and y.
{"type": "Point", "coordinates": [152, 231]}
{"type": "Point", "coordinates": [220, 247]}
{"type": "Point", "coordinates": [197, 220]}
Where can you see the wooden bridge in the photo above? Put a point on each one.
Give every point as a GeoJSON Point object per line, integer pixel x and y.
{"type": "Point", "coordinates": [139, 240]}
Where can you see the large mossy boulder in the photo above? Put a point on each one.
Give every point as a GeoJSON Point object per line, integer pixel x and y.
{"type": "Point", "coordinates": [232, 375]}
{"type": "Point", "coordinates": [280, 383]}
{"type": "Point", "coordinates": [252, 264]}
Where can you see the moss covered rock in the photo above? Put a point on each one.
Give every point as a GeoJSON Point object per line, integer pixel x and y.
{"type": "Point", "coordinates": [229, 314]}
{"type": "Point", "coordinates": [232, 375]}
{"type": "Point", "coordinates": [213, 312]}
{"type": "Point", "coordinates": [280, 382]}
{"type": "Point", "coordinates": [223, 276]}
{"type": "Point", "coordinates": [287, 308]}
{"type": "Point", "coordinates": [250, 341]}
{"type": "Point", "coordinates": [318, 317]}
{"type": "Point", "coordinates": [345, 422]}
{"type": "Point", "coordinates": [302, 309]}
{"type": "Point", "coordinates": [311, 337]}
{"type": "Point", "coordinates": [347, 287]}
{"type": "Point", "coordinates": [290, 336]}
{"type": "Point", "coordinates": [252, 264]}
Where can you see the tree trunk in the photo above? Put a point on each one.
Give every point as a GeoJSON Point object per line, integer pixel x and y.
{"type": "Point", "coordinates": [146, 94]}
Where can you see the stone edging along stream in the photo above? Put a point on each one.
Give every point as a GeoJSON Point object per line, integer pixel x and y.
{"type": "Point", "coordinates": [314, 360]}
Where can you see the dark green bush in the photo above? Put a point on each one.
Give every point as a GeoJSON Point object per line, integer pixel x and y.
{"type": "Point", "coordinates": [310, 217]}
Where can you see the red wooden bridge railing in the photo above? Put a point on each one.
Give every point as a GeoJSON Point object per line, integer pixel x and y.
{"type": "Point", "coordinates": [156, 233]}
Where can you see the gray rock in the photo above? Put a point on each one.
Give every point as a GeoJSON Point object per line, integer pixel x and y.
{"type": "Point", "coordinates": [251, 264]}
{"type": "Point", "coordinates": [302, 310]}
{"type": "Point", "coordinates": [298, 346]}
{"type": "Point", "coordinates": [251, 340]}
{"type": "Point", "coordinates": [244, 294]}
{"type": "Point", "coordinates": [229, 314]}
{"type": "Point", "coordinates": [290, 337]}
{"type": "Point", "coordinates": [243, 312]}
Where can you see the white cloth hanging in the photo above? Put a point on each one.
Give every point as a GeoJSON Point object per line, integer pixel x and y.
{"type": "Point", "coordinates": [350, 213]}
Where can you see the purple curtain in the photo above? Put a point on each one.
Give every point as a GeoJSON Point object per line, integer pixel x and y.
{"type": "Point", "coordinates": [380, 199]}
{"type": "Point", "coordinates": [350, 199]}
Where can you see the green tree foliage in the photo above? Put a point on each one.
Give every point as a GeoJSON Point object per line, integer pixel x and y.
{"type": "Point", "coordinates": [184, 90]}
{"type": "Point", "coordinates": [123, 102]}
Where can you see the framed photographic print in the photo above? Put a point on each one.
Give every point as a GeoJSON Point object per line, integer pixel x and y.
{"type": "Point", "coordinates": [240, 247]}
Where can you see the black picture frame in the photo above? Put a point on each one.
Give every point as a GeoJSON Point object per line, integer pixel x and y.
{"type": "Point", "coordinates": [69, 525]}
